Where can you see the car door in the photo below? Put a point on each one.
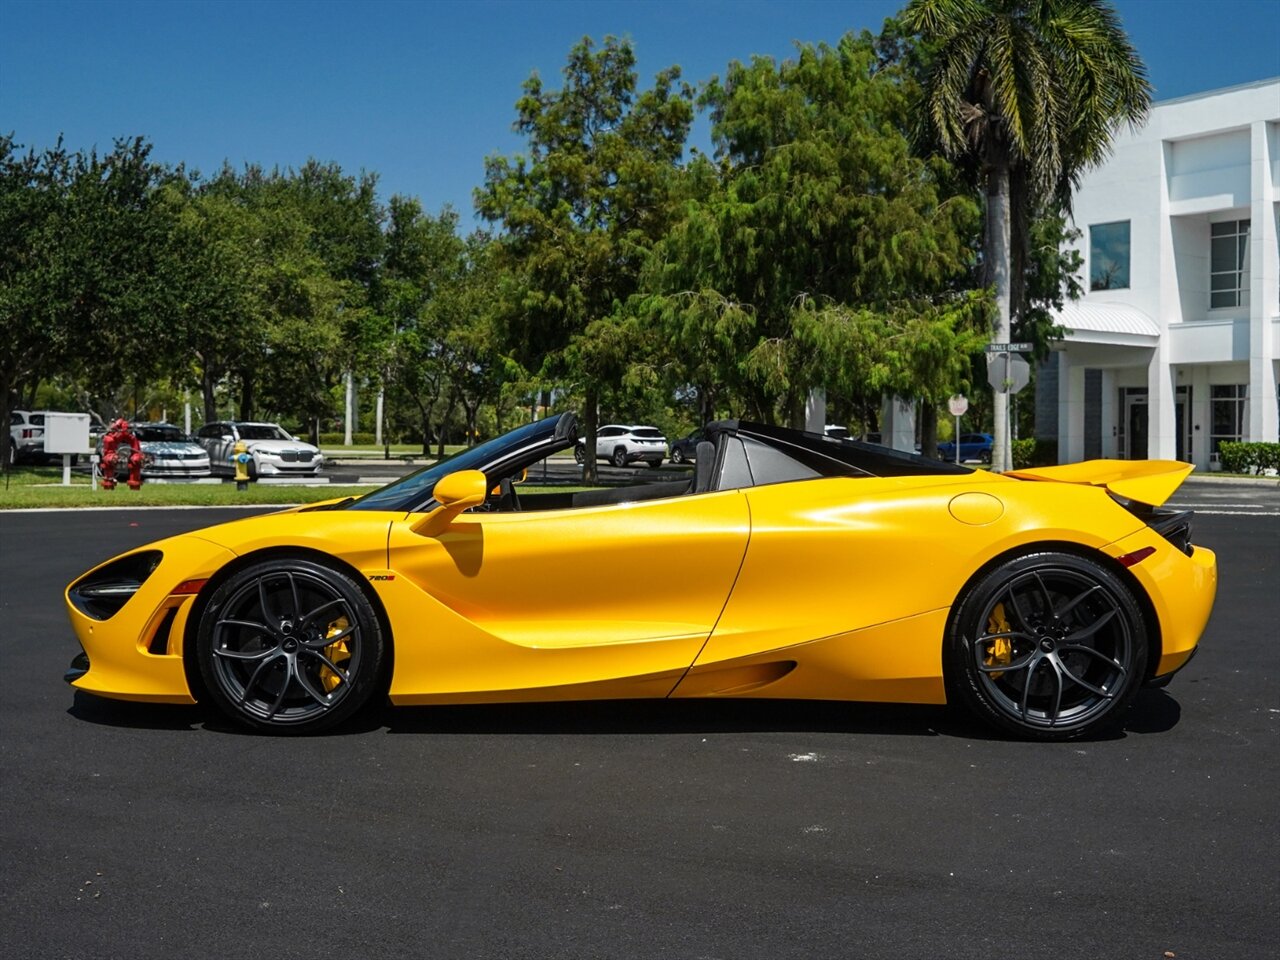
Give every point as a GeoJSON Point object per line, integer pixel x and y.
{"type": "Point", "coordinates": [606, 439]}
{"type": "Point", "coordinates": [219, 440]}
{"type": "Point", "coordinates": [612, 600]}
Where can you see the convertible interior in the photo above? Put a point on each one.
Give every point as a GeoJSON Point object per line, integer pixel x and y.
{"type": "Point", "coordinates": [736, 454]}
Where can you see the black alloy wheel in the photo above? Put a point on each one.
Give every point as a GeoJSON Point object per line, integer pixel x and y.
{"type": "Point", "coordinates": [290, 646]}
{"type": "Point", "coordinates": [580, 453]}
{"type": "Point", "coordinates": [1049, 646]}
{"type": "Point", "coordinates": [619, 456]}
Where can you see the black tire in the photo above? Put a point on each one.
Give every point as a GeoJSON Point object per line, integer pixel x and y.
{"type": "Point", "coordinates": [655, 464]}
{"type": "Point", "coordinates": [619, 456]}
{"type": "Point", "coordinates": [290, 646]}
{"type": "Point", "coordinates": [1054, 609]}
{"type": "Point", "coordinates": [580, 453]}
{"type": "Point", "coordinates": [985, 456]}
{"type": "Point", "coordinates": [677, 455]}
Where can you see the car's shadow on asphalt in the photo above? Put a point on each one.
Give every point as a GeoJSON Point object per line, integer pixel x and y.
{"type": "Point", "coordinates": [1153, 712]}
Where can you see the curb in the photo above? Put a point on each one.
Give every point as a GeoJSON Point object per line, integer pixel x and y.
{"type": "Point", "coordinates": [1210, 479]}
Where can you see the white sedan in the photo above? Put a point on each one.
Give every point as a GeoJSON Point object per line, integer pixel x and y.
{"type": "Point", "coordinates": [275, 452]}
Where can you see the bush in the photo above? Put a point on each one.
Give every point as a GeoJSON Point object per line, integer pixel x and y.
{"type": "Point", "coordinates": [1249, 457]}
{"type": "Point", "coordinates": [357, 439]}
{"type": "Point", "coordinates": [1034, 452]}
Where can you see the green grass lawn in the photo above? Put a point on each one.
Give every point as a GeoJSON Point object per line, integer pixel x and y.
{"type": "Point", "coordinates": [30, 487]}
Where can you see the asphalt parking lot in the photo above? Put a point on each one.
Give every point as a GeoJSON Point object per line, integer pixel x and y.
{"type": "Point", "coordinates": [663, 829]}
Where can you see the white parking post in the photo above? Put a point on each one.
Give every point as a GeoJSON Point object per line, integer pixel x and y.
{"type": "Point", "coordinates": [958, 404]}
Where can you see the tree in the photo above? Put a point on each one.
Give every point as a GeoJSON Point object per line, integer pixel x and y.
{"type": "Point", "coordinates": [816, 239]}
{"type": "Point", "coordinates": [214, 277]}
{"type": "Point", "coordinates": [1033, 91]}
{"type": "Point", "coordinates": [423, 255]}
{"type": "Point", "coordinates": [82, 237]}
{"type": "Point", "coordinates": [581, 209]}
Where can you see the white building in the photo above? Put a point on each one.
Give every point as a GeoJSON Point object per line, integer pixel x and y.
{"type": "Point", "coordinates": [1173, 348]}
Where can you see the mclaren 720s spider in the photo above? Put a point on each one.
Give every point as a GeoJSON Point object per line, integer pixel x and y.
{"type": "Point", "coordinates": [786, 564]}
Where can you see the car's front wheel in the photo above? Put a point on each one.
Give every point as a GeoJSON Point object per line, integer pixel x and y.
{"type": "Point", "coordinates": [1049, 646]}
{"type": "Point", "coordinates": [677, 455]}
{"type": "Point", "coordinates": [290, 646]}
{"type": "Point", "coordinates": [580, 453]}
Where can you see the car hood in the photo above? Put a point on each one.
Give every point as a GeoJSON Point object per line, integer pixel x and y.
{"type": "Point", "coordinates": [173, 446]}
{"type": "Point", "coordinates": [1147, 481]}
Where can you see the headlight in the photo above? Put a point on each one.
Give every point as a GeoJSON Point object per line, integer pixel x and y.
{"type": "Point", "coordinates": [102, 593]}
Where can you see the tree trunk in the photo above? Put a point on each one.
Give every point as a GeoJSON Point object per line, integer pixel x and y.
{"type": "Point", "coordinates": [998, 256]}
{"type": "Point", "coordinates": [246, 395]}
{"type": "Point", "coordinates": [929, 429]}
{"type": "Point", "coordinates": [444, 422]}
{"type": "Point", "coordinates": [591, 421]}
{"type": "Point", "coordinates": [706, 405]}
{"type": "Point", "coordinates": [425, 410]}
{"type": "Point", "coordinates": [5, 438]}
{"type": "Point", "coordinates": [207, 388]}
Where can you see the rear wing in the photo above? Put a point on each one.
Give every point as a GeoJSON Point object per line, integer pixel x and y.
{"type": "Point", "coordinates": [1147, 481]}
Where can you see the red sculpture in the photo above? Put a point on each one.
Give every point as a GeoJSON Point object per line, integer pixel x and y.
{"type": "Point", "coordinates": [121, 436]}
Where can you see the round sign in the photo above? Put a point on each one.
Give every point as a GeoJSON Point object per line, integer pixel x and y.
{"type": "Point", "coordinates": [958, 405]}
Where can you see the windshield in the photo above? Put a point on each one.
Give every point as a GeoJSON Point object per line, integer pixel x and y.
{"type": "Point", "coordinates": [415, 489]}
{"type": "Point", "coordinates": [159, 434]}
{"type": "Point", "coordinates": [261, 431]}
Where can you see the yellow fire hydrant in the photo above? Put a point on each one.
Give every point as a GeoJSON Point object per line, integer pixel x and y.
{"type": "Point", "coordinates": [241, 458]}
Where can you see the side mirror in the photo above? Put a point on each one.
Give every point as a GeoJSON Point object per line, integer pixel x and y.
{"type": "Point", "coordinates": [454, 493]}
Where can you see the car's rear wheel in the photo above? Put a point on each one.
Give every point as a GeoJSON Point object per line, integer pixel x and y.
{"type": "Point", "coordinates": [580, 453]}
{"type": "Point", "coordinates": [620, 456]}
{"type": "Point", "coordinates": [1049, 646]}
{"type": "Point", "coordinates": [290, 646]}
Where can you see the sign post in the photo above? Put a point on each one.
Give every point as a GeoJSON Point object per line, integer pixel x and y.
{"type": "Point", "coordinates": [958, 404]}
{"type": "Point", "coordinates": [1007, 372]}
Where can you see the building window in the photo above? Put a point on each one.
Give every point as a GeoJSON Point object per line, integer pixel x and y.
{"type": "Point", "coordinates": [1229, 264]}
{"type": "Point", "coordinates": [1227, 414]}
{"type": "Point", "coordinates": [1109, 256]}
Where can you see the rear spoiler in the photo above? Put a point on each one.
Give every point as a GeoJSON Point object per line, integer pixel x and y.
{"type": "Point", "coordinates": [1147, 481]}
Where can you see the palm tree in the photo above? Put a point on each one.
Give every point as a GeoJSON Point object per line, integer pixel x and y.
{"type": "Point", "coordinates": [1033, 91]}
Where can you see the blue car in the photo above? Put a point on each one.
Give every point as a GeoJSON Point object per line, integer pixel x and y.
{"type": "Point", "coordinates": [973, 446]}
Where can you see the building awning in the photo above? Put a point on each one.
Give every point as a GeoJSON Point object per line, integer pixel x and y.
{"type": "Point", "coordinates": [1113, 323]}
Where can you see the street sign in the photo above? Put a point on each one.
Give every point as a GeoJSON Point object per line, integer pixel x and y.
{"type": "Point", "coordinates": [958, 405]}
{"type": "Point", "coordinates": [1009, 347]}
{"type": "Point", "coordinates": [1007, 373]}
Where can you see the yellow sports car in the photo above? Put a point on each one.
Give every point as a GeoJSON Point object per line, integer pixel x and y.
{"type": "Point", "coordinates": [786, 564]}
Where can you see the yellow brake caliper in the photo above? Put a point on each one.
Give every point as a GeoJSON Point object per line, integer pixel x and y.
{"type": "Point", "coordinates": [1000, 649]}
{"type": "Point", "coordinates": [338, 653]}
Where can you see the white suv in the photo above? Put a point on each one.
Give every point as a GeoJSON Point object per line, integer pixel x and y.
{"type": "Point", "coordinates": [621, 444]}
{"type": "Point", "coordinates": [26, 436]}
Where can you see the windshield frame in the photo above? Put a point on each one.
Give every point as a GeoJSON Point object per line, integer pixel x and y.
{"type": "Point", "coordinates": [521, 447]}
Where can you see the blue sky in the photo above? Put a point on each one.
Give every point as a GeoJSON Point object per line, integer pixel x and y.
{"type": "Point", "coordinates": [421, 92]}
